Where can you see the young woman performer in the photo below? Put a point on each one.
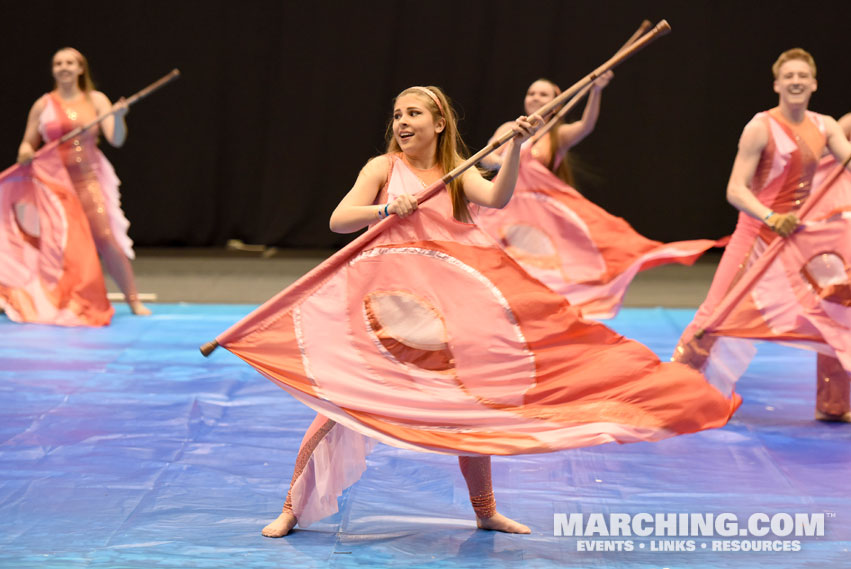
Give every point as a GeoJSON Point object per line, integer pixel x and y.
{"type": "Point", "coordinates": [551, 150]}
{"type": "Point", "coordinates": [772, 177]}
{"type": "Point", "coordinates": [423, 138]}
{"type": "Point", "coordinates": [567, 242]}
{"type": "Point", "coordinates": [72, 103]}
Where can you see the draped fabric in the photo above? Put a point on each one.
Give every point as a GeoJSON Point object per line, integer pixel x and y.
{"type": "Point", "coordinates": [424, 334]}
{"type": "Point", "coordinates": [812, 272]}
{"type": "Point", "coordinates": [575, 247]}
{"type": "Point", "coordinates": [795, 290]}
{"type": "Point", "coordinates": [50, 272]}
{"type": "Point", "coordinates": [803, 295]}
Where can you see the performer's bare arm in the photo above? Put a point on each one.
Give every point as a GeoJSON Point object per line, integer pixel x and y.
{"type": "Point", "coordinates": [837, 139]}
{"type": "Point", "coordinates": [739, 193]}
{"type": "Point", "coordinates": [113, 127]}
{"type": "Point", "coordinates": [739, 188]}
{"type": "Point", "coordinates": [356, 210]}
{"type": "Point", "coordinates": [493, 161]}
{"type": "Point", "coordinates": [496, 194]}
{"type": "Point", "coordinates": [32, 138]}
{"type": "Point", "coordinates": [571, 134]}
{"type": "Point", "coordinates": [845, 125]}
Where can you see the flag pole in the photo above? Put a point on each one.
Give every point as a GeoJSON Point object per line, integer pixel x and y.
{"type": "Point", "coordinates": [135, 98]}
{"type": "Point", "coordinates": [622, 55]}
{"type": "Point", "coordinates": [642, 29]}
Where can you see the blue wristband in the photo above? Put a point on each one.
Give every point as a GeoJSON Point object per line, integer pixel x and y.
{"type": "Point", "coordinates": [767, 215]}
{"type": "Point", "coordinates": [386, 213]}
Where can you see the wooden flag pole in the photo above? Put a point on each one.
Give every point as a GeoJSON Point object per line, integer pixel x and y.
{"type": "Point", "coordinates": [658, 30]}
{"type": "Point", "coordinates": [642, 29]}
{"type": "Point", "coordinates": [135, 98]}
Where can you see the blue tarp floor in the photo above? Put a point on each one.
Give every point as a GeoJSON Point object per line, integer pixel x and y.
{"type": "Point", "coordinates": [122, 447]}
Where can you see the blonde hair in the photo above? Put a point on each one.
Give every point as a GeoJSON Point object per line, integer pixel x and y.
{"type": "Point", "coordinates": [791, 54]}
{"type": "Point", "coordinates": [451, 150]}
{"type": "Point", "coordinates": [563, 170]}
{"type": "Point", "coordinates": [84, 81]}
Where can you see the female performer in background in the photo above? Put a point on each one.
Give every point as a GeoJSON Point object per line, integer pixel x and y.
{"type": "Point", "coordinates": [570, 244]}
{"type": "Point", "coordinates": [423, 144]}
{"type": "Point", "coordinates": [72, 103]}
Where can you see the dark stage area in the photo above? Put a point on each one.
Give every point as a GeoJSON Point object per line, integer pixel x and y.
{"type": "Point", "coordinates": [281, 103]}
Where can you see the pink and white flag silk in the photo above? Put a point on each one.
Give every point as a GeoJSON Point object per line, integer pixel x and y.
{"type": "Point", "coordinates": [424, 334]}
{"type": "Point", "coordinates": [799, 293]}
{"type": "Point", "coordinates": [50, 272]}
{"type": "Point", "coordinates": [574, 246]}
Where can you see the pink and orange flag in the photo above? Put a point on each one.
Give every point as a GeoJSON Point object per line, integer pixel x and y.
{"type": "Point", "coordinates": [50, 272]}
{"type": "Point", "coordinates": [575, 247]}
{"type": "Point", "coordinates": [424, 334]}
{"type": "Point", "coordinates": [796, 291]}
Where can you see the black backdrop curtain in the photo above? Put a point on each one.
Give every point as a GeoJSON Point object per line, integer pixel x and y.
{"type": "Point", "coordinates": [281, 103]}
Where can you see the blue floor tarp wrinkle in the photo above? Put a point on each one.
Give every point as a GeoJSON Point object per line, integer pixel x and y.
{"type": "Point", "coordinates": [122, 447]}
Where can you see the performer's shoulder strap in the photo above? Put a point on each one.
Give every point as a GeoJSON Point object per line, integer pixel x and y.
{"type": "Point", "coordinates": [391, 162]}
{"type": "Point", "coordinates": [818, 120]}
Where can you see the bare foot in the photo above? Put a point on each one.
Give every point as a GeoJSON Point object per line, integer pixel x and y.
{"type": "Point", "coordinates": [498, 522]}
{"type": "Point", "coordinates": [827, 418]}
{"type": "Point", "coordinates": [139, 309]}
{"type": "Point", "coordinates": [282, 525]}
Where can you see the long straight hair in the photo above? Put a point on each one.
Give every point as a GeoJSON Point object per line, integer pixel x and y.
{"type": "Point", "coordinates": [451, 150]}
{"type": "Point", "coordinates": [562, 170]}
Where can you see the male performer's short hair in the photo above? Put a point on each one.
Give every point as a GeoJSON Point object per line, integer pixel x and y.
{"type": "Point", "coordinates": [790, 54]}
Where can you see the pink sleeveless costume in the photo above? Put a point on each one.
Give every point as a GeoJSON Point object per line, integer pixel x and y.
{"type": "Point", "coordinates": [572, 245]}
{"type": "Point", "coordinates": [786, 174]}
{"type": "Point", "coordinates": [432, 339]}
{"type": "Point", "coordinates": [50, 238]}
